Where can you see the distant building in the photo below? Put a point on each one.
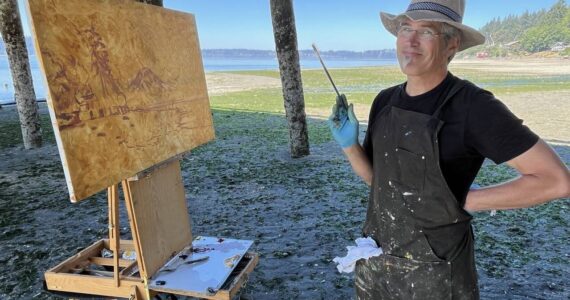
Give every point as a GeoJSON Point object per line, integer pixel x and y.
{"type": "Point", "coordinates": [560, 46]}
{"type": "Point", "coordinates": [482, 54]}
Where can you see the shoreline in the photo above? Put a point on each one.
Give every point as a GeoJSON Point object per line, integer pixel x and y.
{"type": "Point", "coordinates": [555, 66]}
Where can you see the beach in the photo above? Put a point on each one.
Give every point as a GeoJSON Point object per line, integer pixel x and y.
{"type": "Point", "coordinates": [546, 112]}
{"type": "Point", "coordinates": [300, 213]}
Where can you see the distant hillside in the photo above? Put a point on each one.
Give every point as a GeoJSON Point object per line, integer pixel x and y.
{"type": "Point", "coordinates": [545, 30]}
{"type": "Point", "coordinates": [252, 54]}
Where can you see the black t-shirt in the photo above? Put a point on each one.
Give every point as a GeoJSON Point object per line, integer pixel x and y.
{"type": "Point", "coordinates": [477, 126]}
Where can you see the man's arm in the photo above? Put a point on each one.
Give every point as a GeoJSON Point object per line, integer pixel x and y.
{"type": "Point", "coordinates": [359, 162]}
{"type": "Point", "coordinates": [544, 177]}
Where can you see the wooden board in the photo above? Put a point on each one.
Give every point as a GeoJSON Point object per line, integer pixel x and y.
{"type": "Point", "coordinates": [126, 87]}
{"type": "Point", "coordinates": [92, 285]}
{"type": "Point", "coordinates": [159, 217]}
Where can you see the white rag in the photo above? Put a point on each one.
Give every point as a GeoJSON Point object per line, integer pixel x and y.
{"type": "Point", "coordinates": [364, 249]}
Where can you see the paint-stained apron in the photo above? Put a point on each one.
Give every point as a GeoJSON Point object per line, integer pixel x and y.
{"type": "Point", "coordinates": [413, 215]}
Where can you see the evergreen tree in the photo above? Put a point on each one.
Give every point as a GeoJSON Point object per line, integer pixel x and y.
{"type": "Point", "coordinates": [536, 31]}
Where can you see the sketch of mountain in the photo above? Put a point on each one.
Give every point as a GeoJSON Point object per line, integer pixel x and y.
{"type": "Point", "coordinates": [147, 81]}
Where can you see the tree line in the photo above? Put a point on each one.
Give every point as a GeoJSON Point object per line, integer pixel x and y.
{"type": "Point", "coordinates": [529, 32]}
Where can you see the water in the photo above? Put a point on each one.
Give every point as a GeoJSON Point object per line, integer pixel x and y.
{"type": "Point", "coordinates": [210, 65]}
{"type": "Point", "coordinates": [241, 64]}
{"type": "Point", "coordinates": [7, 86]}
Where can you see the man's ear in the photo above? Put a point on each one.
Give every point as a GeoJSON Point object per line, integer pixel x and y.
{"type": "Point", "coordinates": [453, 44]}
{"type": "Point", "coordinates": [452, 48]}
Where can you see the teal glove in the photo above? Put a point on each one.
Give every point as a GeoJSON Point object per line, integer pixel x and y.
{"type": "Point", "coordinates": [344, 127]}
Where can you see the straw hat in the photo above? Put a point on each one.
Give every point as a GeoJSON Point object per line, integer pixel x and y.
{"type": "Point", "coordinates": [446, 11]}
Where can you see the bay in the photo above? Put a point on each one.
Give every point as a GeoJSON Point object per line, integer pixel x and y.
{"type": "Point", "coordinates": [211, 64]}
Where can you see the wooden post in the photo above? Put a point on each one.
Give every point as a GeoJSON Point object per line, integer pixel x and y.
{"type": "Point", "coordinates": [286, 46]}
{"type": "Point", "coordinates": [13, 35]}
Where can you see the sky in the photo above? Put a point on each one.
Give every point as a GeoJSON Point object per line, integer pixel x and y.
{"type": "Point", "coordinates": [331, 24]}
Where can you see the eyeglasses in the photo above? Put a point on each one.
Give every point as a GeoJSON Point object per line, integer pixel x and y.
{"type": "Point", "coordinates": [424, 34]}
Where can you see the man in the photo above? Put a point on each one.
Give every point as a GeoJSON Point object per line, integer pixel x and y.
{"type": "Point", "coordinates": [426, 140]}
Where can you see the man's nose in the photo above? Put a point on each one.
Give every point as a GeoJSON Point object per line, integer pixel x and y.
{"type": "Point", "coordinates": [414, 38]}
{"type": "Point", "coordinates": [414, 35]}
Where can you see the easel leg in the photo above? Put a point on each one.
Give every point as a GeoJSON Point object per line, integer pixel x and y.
{"type": "Point", "coordinates": [114, 238]}
{"type": "Point", "coordinates": [134, 232]}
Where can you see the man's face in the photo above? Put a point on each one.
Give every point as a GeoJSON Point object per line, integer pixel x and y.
{"type": "Point", "coordinates": [418, 53]}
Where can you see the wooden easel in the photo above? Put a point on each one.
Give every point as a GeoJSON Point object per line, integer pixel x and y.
{"type": "Point", "coordinates": [129, 278]}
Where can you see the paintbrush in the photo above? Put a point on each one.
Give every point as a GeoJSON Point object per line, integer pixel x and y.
{"type": "Point", "coordinates": [341, 103]}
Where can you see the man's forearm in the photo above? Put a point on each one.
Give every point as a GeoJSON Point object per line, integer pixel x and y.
{"type": "Point", "coordinates": [543, 177]}
{"type": "Point", "coordinates": [525, 191]}
{"type": "Point", "coordinates": [359, 162]}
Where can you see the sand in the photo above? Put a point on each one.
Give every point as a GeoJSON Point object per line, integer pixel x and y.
{"type": "Point", "coordinates": [220, 83]}
{"type": "Point", "coordinates": [532, 66]}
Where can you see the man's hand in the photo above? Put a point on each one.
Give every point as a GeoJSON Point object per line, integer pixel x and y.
{"type": "Point", "coordinates": [344, 126]}
{"type": "Point", "coordinates": [340, 110]}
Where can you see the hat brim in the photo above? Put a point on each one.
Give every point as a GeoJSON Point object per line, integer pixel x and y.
{"type": "Point", "coordinates": [469, 36]}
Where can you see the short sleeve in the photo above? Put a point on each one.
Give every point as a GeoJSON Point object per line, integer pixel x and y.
{"type": "Point", "coordinates": [494, 131]}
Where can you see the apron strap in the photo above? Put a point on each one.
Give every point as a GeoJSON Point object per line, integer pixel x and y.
{"type": "Point", "coordinates": [457, 86]}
